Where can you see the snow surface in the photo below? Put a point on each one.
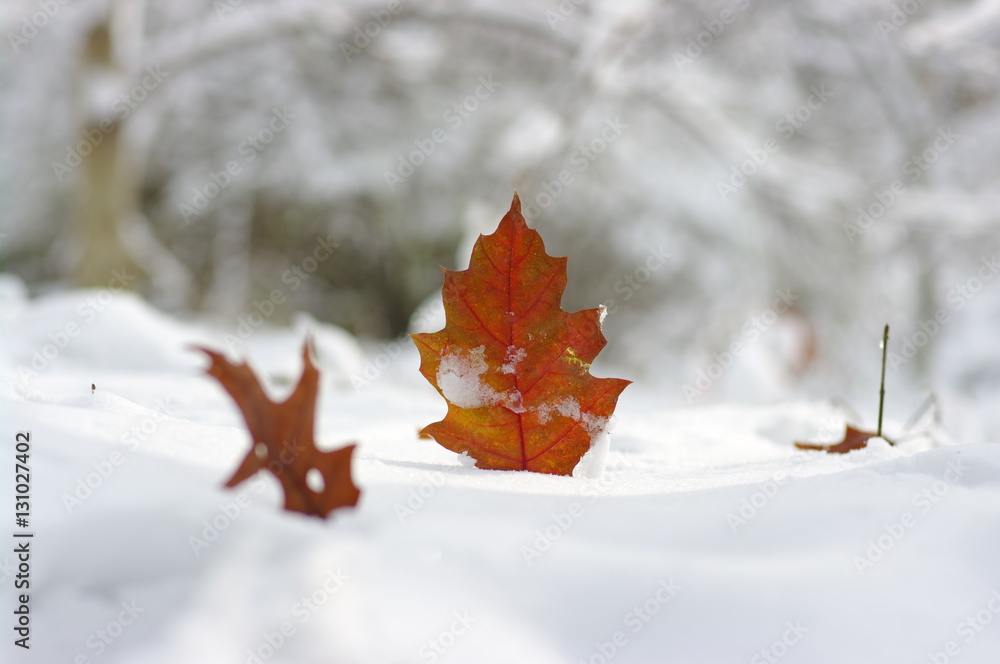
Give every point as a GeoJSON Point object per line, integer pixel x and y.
{"type": "Point", "coordinates": [707, 538]}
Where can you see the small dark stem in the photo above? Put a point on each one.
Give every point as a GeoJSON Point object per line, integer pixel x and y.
{"type": "Point", "coordinates": [881, 387]}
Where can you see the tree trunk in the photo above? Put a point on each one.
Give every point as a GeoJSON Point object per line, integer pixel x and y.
{"type": "Point", "coordinates": [107, 188]}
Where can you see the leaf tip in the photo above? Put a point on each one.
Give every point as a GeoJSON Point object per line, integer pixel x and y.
{"type": "Point", "coordinates": [308, 349]}
{"type": "Point", "coordinates": [200, 349]}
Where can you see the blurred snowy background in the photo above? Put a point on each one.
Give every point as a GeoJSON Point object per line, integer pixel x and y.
{"type": "Point", "coordinates": [694, 159]}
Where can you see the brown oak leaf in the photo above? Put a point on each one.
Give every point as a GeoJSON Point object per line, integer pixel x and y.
{"type": "Point", "coordinates": [512, 365]}
{"type": "Point", "coordinates": [854, 439]}
{"type": "Point", "coordinates": [282, 438]}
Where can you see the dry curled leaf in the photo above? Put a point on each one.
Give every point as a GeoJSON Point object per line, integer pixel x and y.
{"type": "Point", "coordinates": [854, 439]}
{"type": "Point", "coordinates": [282, 438]}
{"type": "Point", "coordinates": [512, 365]}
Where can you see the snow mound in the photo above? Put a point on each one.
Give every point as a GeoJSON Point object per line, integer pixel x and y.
{"type": "Point", "coordinates": [707, 535]}
{"type": "Point", "coordinates": [99, 328]}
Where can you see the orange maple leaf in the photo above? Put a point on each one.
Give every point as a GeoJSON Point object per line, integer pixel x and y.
{"type": "Point", "coordinates": [512, 365]}
{"type": "Point", "coordinates": [282, 438]}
